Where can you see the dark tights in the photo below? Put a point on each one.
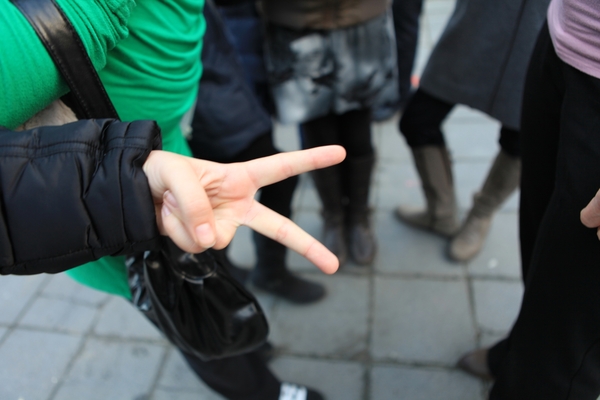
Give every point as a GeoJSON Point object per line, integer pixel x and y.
{"type": "Point", "coordinates": [352, 130]}
{"type": "Point", "coordinates": [421, 124]}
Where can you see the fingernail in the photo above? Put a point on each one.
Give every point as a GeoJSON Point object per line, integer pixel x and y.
{"type": "Point", "coordinates": [205, 235]}
{"type": "Point", "coordinates": [165, 210]}
{"type": "Point", "coordinates": [169, 198]}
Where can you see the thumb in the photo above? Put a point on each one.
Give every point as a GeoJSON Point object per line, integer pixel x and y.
{"type": "Point", "coordinates": [185, 209]}
{"type": "Point", "coordinates": [590, 215]}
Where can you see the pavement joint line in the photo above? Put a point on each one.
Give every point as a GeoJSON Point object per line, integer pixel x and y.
{"type": "Point", "coordinates": [368, 363]}
{"type": "Point", "coordinates": [495, 278]}
{"type": "Point", "coordinates": [11, 327]}
{"type": "Point", "coordinates": [72, 300]}
{"type": "Point", "coordinates": [160, 370]}
{"type": "Point", "coordinates": [473, 311]}
{"type": "Point", "coordinates": [379, 362]}
{"type": "Point", "coordinates": [73, 360]}
{"type": "Point", "coordinates": [129, 339]}
{"type": "Point", "coordinates": [409, 276]}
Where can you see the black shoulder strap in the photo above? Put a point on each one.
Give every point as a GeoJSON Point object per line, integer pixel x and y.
{"type": "Point", "coordinates": [88, 96]}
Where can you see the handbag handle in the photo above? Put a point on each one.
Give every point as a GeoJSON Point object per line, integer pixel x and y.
{"type": "Point", "coordinates": [88, 96]}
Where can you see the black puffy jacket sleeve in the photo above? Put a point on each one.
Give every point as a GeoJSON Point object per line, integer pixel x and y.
{"type": "Point", "coordinates": [74, 193]}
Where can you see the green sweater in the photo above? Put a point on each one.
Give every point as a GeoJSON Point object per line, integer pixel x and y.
{"type": "Point", "coordinates": [149, 60]}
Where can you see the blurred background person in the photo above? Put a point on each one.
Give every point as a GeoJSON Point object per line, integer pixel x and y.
{"type": "Point", "coordinates": [232, 123]}
{"type": "Point", "coordinates": [480, 61]}
{"type": "Point", "coordinates": [328, 63]}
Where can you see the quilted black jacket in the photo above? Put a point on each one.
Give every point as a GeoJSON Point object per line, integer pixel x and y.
{"type": "Point", "coordinates": [74, 193]}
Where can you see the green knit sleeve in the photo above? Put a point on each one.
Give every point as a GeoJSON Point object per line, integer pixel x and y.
{"type": "Point", "coordinates": [28, 78]}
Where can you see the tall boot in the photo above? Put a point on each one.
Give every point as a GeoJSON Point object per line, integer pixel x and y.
{"type": "Point", "coordinates": [502, 180]}
{"type": "Point", "coordinates": [329, 186]}
{"type": "Point", "coordinates": [272, 275]}
{"type": "Point", "coordinates": [435, 170]}
{"type": "Point", "coordinates": [357, 182]}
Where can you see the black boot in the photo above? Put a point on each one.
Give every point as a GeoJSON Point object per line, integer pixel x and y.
{"type": "Point", "coordinates": [328, 184]}
{"type": "Point", "coordinates": [357, 182]}
{"type": "Point", "coordinates": [272, 275]}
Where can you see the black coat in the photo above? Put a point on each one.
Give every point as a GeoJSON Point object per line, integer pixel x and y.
{"type": "Point", "coordinates": [74, 193]}
{"type": "Point", "coordinates": [229, 115]}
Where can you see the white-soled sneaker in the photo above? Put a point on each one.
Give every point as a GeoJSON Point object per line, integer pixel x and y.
{"type": "Point", "coordinates": [291, 391]}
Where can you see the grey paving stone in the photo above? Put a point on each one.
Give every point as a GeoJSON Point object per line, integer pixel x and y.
{"type": "Point", "coordinates": [391, 144]}
{"type": "Point", "coordinates": [406, 383]}
{"type": "Point", "coordinates": [15, 293]}
{"type": "Point", "coordinates": [497, 304]}
{"type": "Point", "coordinates": [2, 333]}
{"type": "Point", "coordinates": [438, 7]}
{"type": "Point", "coordinates": [112, 370]}
{"type": "Point", "coordinates": [241, 249]}
{"type": "Point", "coordinates": [403, 249]}
{"type": "Point", "coordinates": [63, 287]}
{"type": "Point", "coordinates": [33, 363]}
{"type": "Point", "coordinates": [398, 184]}
{"type": "Point", "coordinates": [176, 394]}
{"type": "Point", "coordinates": [60, 315]}
{"type": "Point", "coordinates": [472, 139]}
{"type": "Point", "coordinates": [421, 320]}
{"type": "Point", "coordinates": [464, 113]}
{"type": "Point", "coordinates": [436, 24]}
{"type": "Point", "coordinates": [334, 379]}
{"type": "Point", "coordinates": [423, 51]}
{"type": "Point", "coordinates": [177, 376]}
{"type": "Point", "coordinates": [489, 339]}
{"type": "Point", "coordinates": [335, 326]}
{"type": "Point", "coordinates": [500, 255]}
{"type": "Point", "coordinates": [119, 318]}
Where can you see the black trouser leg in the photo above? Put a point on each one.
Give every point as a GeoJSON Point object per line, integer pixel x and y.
{"type": "Point", "coordinates": [421, 122]}
{"type": "Point", "coordinates": [354, 129]}
{"type": "Point", "coordinates": [510, 142]}
{"type": "Point", "coordinates": [244, 377]}
{"type": "Point", "coordinates": [553, 350]}
{"type": "Point", "coordinates": [324, 131]}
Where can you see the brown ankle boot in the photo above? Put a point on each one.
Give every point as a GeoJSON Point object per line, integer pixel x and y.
{"type": "Point", "coordinates": [435, 170]}
{"type": "Point", "coordinates": [502, 180]}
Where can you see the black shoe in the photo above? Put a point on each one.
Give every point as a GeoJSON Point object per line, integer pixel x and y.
{"type": "Point", "coordinates": [291, 391]}
{"type": "Point", "coordinates": [289, 287]}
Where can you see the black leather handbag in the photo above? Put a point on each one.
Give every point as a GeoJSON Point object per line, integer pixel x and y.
{"type": "Point", "coordinates": [196, 303]}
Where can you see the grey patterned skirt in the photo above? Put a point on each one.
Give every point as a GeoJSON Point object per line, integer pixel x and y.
{"type": "Point", "coordinates": [317, 72]}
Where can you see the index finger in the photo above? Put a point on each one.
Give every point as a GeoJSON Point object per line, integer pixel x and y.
{"type": "Point", "coordinates": [268, 170]}
{"type": "Point", "coordinates": [590, 215]}
{"type": "Point", "coordinates": [281, 229]}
